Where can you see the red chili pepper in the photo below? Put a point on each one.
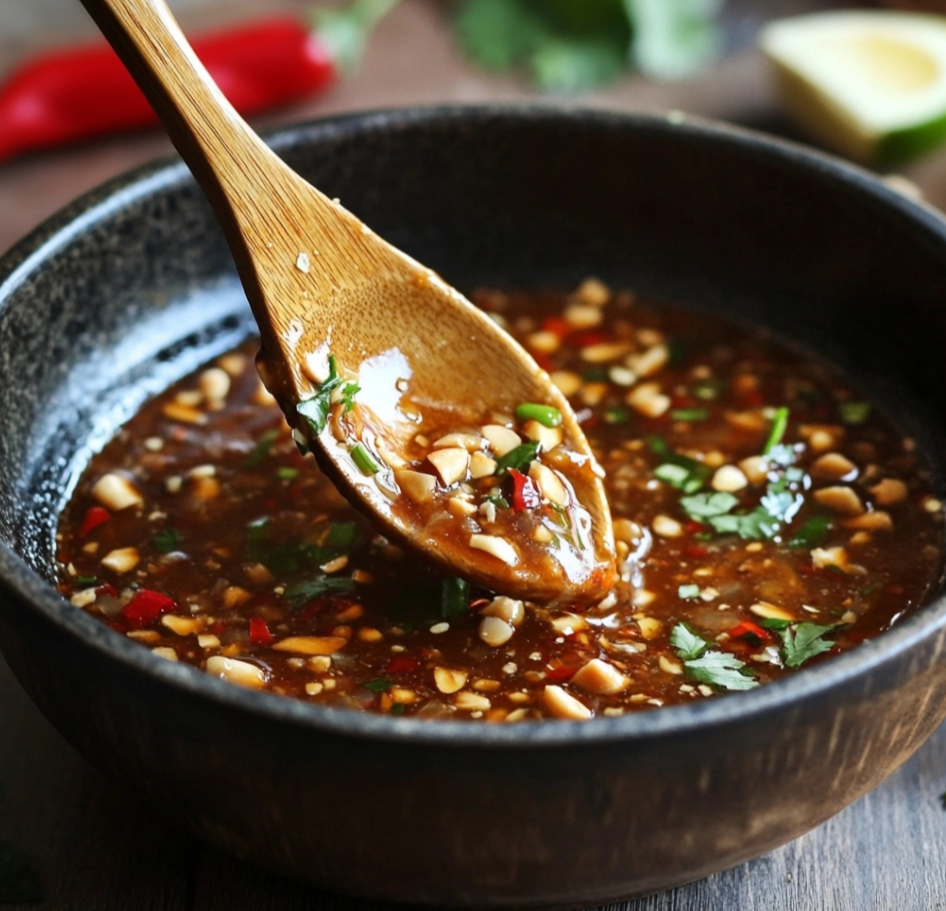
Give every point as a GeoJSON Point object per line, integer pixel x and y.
{"type": "Point", "coordinates": [524, 494]}
{"type": "Point", "coordinates": [696, 551]}
{"type": "Point", "coordinates": [73, 94]}
{"type": "Point", "coordinates": [557, 325]}
{"type": "Point", "coordinates": [694, 528]}
{"type": "Point", "coordinates": [146, 607]}
{"type": "Point", "coordinates": [107, 588]}
{"type": "Point", "coordinates": [748, 628]}
{"type": "Point", "coordinates": [591, 337]}
{"type": "Point", "coordinates": [560, 674]}
{"type": "Point", "coordinates": [259, 632]}
{"type": "Point", "coordinates": [95, 517]}
{"type": "Point", "coordinates": [402, 664]}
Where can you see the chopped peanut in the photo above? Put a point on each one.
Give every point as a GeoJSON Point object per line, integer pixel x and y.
{"type": "Point", "coordinates": [502, 440]}
{"type": "Point", "coordinates": [648, 400]}
{"type": "Point", "coordinates": [116, 492]}
{"type": "Point", "coordinates": [832, 466]}
{"type": "Point", "coordinates": [121, 560]}
{"type": "Point", "coordinates": [840, 499]}
{"type": "Point", "coordinates": [451, 464]}
{"type": "Point", "coordinates": [561, 704]}
{"type": "Point", "coordinates": [599, 677]}
{"type": "Point", "coordinates": [241, 672]}
{"type": "Point", "coordinates": [418, 486]}
{"type": "Point", "coordinates": [495, 546]}
{"type": "Point", "coordinates": [888, 492]}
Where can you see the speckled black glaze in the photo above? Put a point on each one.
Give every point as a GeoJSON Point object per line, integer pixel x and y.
{"type": "Point", "coordinates": [132, 286]}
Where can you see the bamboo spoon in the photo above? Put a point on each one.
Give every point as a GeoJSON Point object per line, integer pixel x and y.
{"type": "Point", "coordinates": [320, 282]}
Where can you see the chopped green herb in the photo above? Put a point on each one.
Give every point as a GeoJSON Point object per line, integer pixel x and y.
{"type": "Point", "coordinates": [854, 412]}
{"type": "Point", "coordinates": [349, 390]}
{"type": "Point", "coordinates": [455, 598]}
{"type": "Point", "coordinates": [497, 501]}
{"type": "Point", "coordinates": [704, 506]}
{"type": "Point", "coordinates": [519, 458]}
{"type": "Point", "coordinates": [303, 592]}
{"type": "Point", "coordinates": [802, 641]}
{"type": "Point", "coordinates": [777, 431]}
{"type": "Point", "coordinates": [87, 580]}
{"type": "Point", "coordinates": [166, 541]}
{"type": "Point", "coordinates": [721, 669]}
{"type": "Point", "coordinates": [678, 470]}
{"type": "Point", "coordinates": [616, 415]}
{"type": "Point", "coordinates": [689, 414]}
{"type": "Point", "coordinates": [713, 667]}
{"type": "Point", "coordinates": [363, 459]}
{"type": "Point", "coordinates": [688, 644]}
{"type": "Point", "coordinates": [287, 474]}
{"type": "Point", "coordinates": [708, 390]}
{"type": "Point", "coordinates": [316, 408]}
{"type": "Point", "coordinates": [673, 38]}
{"type": "Point", "coordinates": [812, 532]}
{"type": "Point", "coordinates": [380, 685]}
{"type": "Point", "coordinates": [398, 708]}
{"type": "Point", "coordinates": [688, 592]}
{"type": "Point", "coordinates": [544, 414]}
{"type": "Point", "coordinates": [261, 449]}
{"type": "Point", "coordinates": [343, 535]}
{"type": "Point", "coordinates": [595, 375]}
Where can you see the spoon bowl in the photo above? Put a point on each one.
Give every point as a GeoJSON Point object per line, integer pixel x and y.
{"type": "Point", "coordinates": [332, 299]}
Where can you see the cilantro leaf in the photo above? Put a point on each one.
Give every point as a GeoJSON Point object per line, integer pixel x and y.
{"type": "Point", "coordinates": [673, 38]}
{"type": "Point", "coordinates": [498, 33]}
{"type": "Point", "coordinates": [344, 30]}
{"type": "Point", "coordinates": [349, 391]}
{"type": "Point", "coordinates": [261, 449]}
{"type": "Point", "coordinates": [721, 669]}
{"type": "Point", "coordinates": [454, 597]}
{"type": "Point", "coordinates": [812, 532]}
{"type": "Point", "coordinates": [577, 62]}
{"type": "Point", "coordinates": [519, 458]}
{"type": "Point", "coordinates": [316, 408]}
{"type": "Point", "coordinates": [802, 641]}
{"type": "Point", "coordinates": [703, 506]}
{"type": "Point", "coordinates": [712, 667]}
{"type": "Point", "coordinates": [688, 644]}
{"type": "Point", "coordinates": [303, 592]}
{"type": "Point", "coordinates": [164, 542]}
{"type": "Point", "coordinates": [380, 685]}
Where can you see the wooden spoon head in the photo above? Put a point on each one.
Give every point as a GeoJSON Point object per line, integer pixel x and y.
{"type": "Point", "coordinates": [413, 345]}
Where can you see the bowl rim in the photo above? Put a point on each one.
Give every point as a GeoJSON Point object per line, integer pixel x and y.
{"type": "Point", "coordinates": [169, 173]}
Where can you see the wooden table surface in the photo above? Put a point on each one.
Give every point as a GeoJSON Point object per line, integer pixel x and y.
{"type": "Point", "coordinates": [96, 847]}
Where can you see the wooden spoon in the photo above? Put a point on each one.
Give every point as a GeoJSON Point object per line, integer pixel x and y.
{"type": "Point", "coordinates": [320, 282]}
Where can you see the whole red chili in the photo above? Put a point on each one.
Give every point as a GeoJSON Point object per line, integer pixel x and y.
{"type": "Point", "coordinates": [67, 95]}
{"type": "Point", "coordinates": [96, 516]}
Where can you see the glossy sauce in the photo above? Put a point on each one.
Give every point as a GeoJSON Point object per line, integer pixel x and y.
{"type": "Point", "coordinates": [766, 517]}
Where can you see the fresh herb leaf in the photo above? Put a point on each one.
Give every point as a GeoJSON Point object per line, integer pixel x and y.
{"type": "Point", "coordinates": [854, 412]}
{"type": "Point", "coordinates": [616, 415]}
{"type": "Point", "coordinates": [777, 430]}
{"type": "Point", "coordinates": [344, 29]}
{"type": "Point", "coordinates": [721, 669]}
{"type": "Point", "coordinates": [316, 408]}
{"type": "Point", "coordinates": [20, 880]}
{"type": "Point", "coordinates": [689, 414]}
{"type": "Point", "coordinates": [497, 34]}
{"type": "Point", "coordinates": [688, 592]}
{"type": "Point", "coordinates": [704, 506]}
{"type": "Point", "coordinates": [687, 644]}
{"type": "Point", "coordinates": [343, 536]}
{"type": "Point", "coordinates": [398, 708]}
{"type": "Point", "coordinates": [497, 501]}
{"type": "Point", "coordinates": [519, 458]}
{"type": "Point", "coordinates": [775, 623]}
{"type": "Point", "coordinates": [261, 449]}
{"type": "Point", "coordinates": [455, 598]}
{"type": "Point", "coordinates": [673, 38]}
{"type": "Point", "coordinates": [812, 532]}
{"type": "Point", "coordinates": [281, 559]}
{"type": "Point", "coordinates": [164, 542]}
{"type": "Point", "coordinates": [573, 63]}
{"type": "Point", "coordinates": [678, 470]}
{"type": "Point", "coordinates": [303, 592]}
{"type": "Point", "coordinates": [285, 473]}
{"type": "Point", "coordinates": [349, 391]}
{"type": "Point", "coordinates": [86, 580]}
{"type": "Point", "coordinates": [380, 685]}
{"type": "Point", "coordinates": [802, 641]}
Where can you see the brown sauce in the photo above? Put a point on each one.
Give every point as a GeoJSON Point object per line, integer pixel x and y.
{"type": "Point", "coordinates": [766, 518]}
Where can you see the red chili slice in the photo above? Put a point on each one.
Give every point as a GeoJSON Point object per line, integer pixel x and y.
{"type": "Point", "coordinates": [259, 632]}
{"type": "Point", "coordinates": [557, 325]}
{"type": "Point", "coordinates": [402, 664]}
{"type": "Point", "coordinates": [524, 493]}
{"type": "Point", "coordinates": [146, 607]}
{"type": "Point", "coordinates": [560, 674]}
{"type": "Point", "coordinates": [96, 516]}
{"type": "Point", "coordinates": [748, 628]}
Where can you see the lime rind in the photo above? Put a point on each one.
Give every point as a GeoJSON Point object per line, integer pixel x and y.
{"type": "Point", "coordinates": [870, 85]}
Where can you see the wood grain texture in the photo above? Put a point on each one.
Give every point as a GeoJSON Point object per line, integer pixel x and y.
{"type": "Point", "coordinates": [99, 848]}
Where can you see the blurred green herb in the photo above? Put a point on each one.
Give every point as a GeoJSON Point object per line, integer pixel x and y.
{"type": "Point", "coordinates": [571, 45]}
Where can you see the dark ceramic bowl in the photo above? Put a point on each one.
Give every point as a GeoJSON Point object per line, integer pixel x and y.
{"type": "Point", "coordinates": [132, 287]}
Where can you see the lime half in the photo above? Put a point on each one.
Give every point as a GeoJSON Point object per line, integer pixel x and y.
{"type": "Point", "coordinates": [868, 84]}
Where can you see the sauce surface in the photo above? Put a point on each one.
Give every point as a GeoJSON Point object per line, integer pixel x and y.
{"type": "Point", "coordinates": [766, 517]}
